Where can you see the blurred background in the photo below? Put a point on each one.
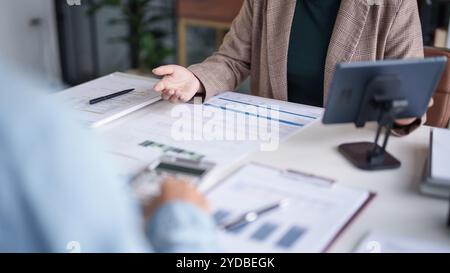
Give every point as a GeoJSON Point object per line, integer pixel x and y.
{"type": "Point", "coordinates": [67, 42]}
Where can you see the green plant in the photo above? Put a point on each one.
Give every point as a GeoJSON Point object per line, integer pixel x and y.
{"type": "Point", "coordinates": [145, 37]}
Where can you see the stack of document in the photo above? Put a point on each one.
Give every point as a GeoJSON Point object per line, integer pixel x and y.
{"type": "Point", "coordinates": [437, 172]}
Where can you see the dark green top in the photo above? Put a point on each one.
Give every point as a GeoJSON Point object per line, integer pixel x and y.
{"type": "Point", "coordinates": [311, 32]}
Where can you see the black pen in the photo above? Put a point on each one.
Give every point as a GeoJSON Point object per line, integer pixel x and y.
{"type": "Point", "coordinates": [100, 99]}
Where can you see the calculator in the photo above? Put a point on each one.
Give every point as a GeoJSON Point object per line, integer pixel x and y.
{"type": "Point", "coordinates": [147, 183]}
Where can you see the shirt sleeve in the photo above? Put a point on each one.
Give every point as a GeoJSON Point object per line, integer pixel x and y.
{"type": "Point", "coordinates": [181, 227]}
{"type": "Point", "coordinates": [58, 192]}
{"type": "Point", "coordinates": [67, 197]}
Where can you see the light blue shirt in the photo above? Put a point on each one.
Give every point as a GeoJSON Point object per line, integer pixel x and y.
{"type": "Point", "coordinates": [57, 191]}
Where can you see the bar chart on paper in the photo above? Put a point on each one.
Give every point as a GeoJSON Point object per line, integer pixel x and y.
{"type": "Point", "coordinates": [264, 231]}
{"type": "Point", "coordinates": [317, 210]}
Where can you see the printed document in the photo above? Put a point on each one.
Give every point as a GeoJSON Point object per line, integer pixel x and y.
{"type": "Point", "coordinates": [78, 97]}
{"type": "Point", "coordinates": [223, 130]}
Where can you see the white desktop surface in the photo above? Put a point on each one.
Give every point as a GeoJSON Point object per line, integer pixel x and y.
{"type": "Point", "coordinates": [398, 208]}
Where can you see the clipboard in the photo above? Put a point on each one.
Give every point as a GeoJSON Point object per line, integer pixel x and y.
{"type": "Point", "coordinates": [329, 207]}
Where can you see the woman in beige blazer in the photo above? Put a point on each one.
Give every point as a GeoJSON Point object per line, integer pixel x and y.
{"type": "Point", "coordinates": [274, 41]}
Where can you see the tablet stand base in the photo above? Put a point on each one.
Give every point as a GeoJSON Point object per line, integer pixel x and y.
{"type": "Point", "coordinates": [358, 154]}
{"type": "Point", "coordinates": [381, 94]}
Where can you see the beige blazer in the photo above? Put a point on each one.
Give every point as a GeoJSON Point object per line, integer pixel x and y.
{"type": "Point", "coordinates": [257, 44]}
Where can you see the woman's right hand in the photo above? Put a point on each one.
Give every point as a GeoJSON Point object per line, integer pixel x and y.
{"type": "Point", "coordinates": [178, 83]}
{"type": "Point", "coordinates": [176, 190]}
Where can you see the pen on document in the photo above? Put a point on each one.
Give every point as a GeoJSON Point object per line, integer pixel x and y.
{"type": "Point", "coordinates": [120, 93]}
{"type": "Point", "coordinates": [252, 216]}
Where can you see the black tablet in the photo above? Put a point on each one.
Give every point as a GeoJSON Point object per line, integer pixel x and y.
{"type": "Point", "coordinates": [355, 85]}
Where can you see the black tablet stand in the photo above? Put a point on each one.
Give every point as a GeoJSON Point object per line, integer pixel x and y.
{"type": "Point", "coordinates": [380, 96]}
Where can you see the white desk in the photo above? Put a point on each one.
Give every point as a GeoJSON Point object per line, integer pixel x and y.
{"type": "Point", "coordinates": [398, 207]}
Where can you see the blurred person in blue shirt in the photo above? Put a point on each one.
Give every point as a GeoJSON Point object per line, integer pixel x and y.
{"type": "Point", "coordinates": [58, 193]}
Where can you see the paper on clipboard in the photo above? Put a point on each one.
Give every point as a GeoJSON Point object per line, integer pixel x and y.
{"type": "Point", "coordinates": [318, 210]}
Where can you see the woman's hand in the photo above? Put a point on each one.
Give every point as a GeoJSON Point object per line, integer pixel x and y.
{"type": "Point", "coordinates": [178, 83]}
{"type": "Point", "coordinates": [408, 121]}
{"type": "Point", "coordinates": [176, 190]}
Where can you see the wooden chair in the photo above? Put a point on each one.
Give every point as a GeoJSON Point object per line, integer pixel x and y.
{"type": "Point", "coordinates": [439, 114]}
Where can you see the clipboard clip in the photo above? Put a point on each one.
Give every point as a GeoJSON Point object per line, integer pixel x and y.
{"type": "Point", "coordinates": [308, 178]}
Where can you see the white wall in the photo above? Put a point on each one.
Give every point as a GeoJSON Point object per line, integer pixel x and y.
{"type": "Point", "coordinates": [33, 47]}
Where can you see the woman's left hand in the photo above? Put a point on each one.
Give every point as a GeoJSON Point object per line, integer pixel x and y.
{"type": "Point", "coordinates": [408, 121]}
